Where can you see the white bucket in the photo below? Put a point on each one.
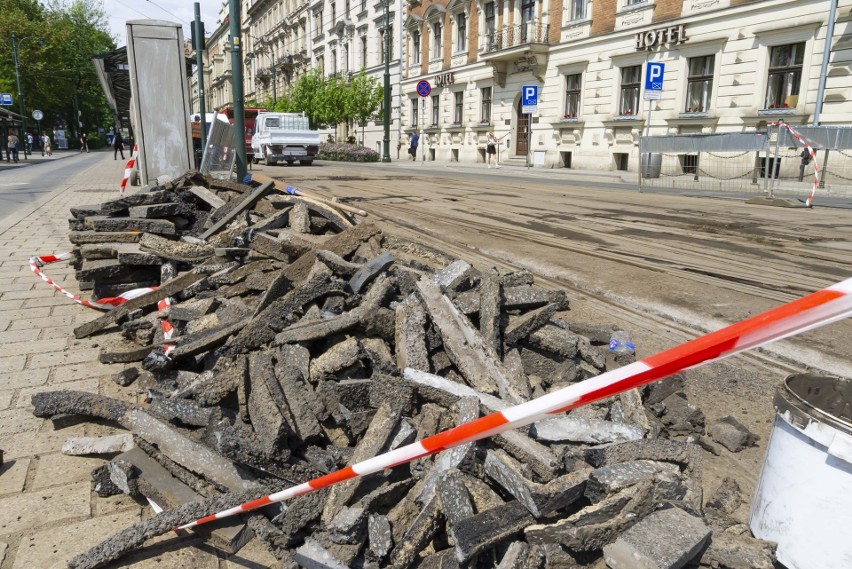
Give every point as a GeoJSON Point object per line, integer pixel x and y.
{"type": "Point", "coordinates": [804, 497]}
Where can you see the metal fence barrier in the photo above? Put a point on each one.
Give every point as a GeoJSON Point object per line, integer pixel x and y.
{"type": "Point", "coordinates": [768, 161]}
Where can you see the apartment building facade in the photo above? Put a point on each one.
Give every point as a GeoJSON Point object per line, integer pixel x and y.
{"type": "Point", "coordinates": [284, 39]}
{"type": "Point", "coordinates": [730, 66]}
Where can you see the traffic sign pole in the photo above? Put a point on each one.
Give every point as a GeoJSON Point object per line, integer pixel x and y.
{"type": "Point", "coordinates": [529, 106]}
{"type": "Point", "coordinates": [424, 89]}
{"type": "Point", "coordinates": [654, 72]}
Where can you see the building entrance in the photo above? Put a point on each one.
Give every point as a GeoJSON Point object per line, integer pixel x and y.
{"type": "Point", "coordinates": [521, 136]}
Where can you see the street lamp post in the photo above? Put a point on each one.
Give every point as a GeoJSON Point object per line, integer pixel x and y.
{"type": "Point", "coordinates": [15, 43]}
{"type": "Point", "coordinates": [386, 148]}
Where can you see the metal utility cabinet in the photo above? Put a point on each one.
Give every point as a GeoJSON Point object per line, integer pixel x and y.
{"type": "Point", "coordinates": [160, 98]}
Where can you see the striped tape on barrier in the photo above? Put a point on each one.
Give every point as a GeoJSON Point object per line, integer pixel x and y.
{"type": "Point", "coordinates": [815, 310]}
{"type": "Point", "coordinates": [811, 151]}
{"type": "Point", "coordinates": [36, 263]}
{"type": "Point", "coordinates": [128, 168]}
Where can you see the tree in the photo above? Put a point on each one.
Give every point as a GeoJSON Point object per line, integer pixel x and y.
{"type": "Point", "coordinates": [56, 71]}
{"type": "Point", "coordinates": [363, 100]}
{"type": "Point", "coordinates": [305, 96]}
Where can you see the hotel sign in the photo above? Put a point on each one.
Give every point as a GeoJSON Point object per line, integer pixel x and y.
{"type": "Point", "coordinates": [660, 37]}
{"type": "Point", "coordinates": [445, 79]}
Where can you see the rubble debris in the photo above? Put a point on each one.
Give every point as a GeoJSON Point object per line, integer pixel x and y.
{"type": "Point", "coordinates": [667, 539]}
{"type": "Point", "coordinates": [302, 342]}
{"type": "Point", "coordinates": [732, 434]}
{"type": "Point", "coordinates": [81, 446]}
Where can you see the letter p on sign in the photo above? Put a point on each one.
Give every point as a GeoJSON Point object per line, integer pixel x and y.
{"type": "Point", "coordinates": [654, 80]}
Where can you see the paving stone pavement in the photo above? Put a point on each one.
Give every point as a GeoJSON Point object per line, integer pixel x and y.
{"type": "Point", "coordinates": [48, 512]}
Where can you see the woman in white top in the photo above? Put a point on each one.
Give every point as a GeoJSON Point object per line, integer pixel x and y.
{"type": "Point", "coordinates": [491, 150]}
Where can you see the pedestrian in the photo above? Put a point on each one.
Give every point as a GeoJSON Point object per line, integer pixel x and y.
{"type": "Point", "coordinates": [412, 148]}
{"type": "Point", "coordinates": [84, 143]}
{"type": "Point", "coordinates": [30, 142]}
{"type": "Point", "coordinates": [491, 149]}
{"type": "Point", "coordinates": [12, 143]}
{"type": "Point", "coordinates": [117, 145]}
{"type": "Point", "coordinates": [45, 142]}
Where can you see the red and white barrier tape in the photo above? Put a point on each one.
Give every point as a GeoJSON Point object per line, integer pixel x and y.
{"type": "Point", "coordinates": [811, 151]}
{"type": "Point", "coordinates": [815, 310]}
{"type": "Point", "coordinates": [36, 263]}
{"type": "Point", "coordinates": [128, 168]}
{"type": "Point", "coordinates": [168, 329]}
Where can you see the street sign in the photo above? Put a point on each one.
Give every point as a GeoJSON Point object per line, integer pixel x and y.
{"type": "Point", "coordinates": [529, 99]}
{"type": "Point", "coordinates": [38, 115]}
{"type": "Point", "coordinates": [423, 88]}
{"type": "Point", "coordinates": [654, 80]}
{"type": "Point", "coordinates": [5, 98]}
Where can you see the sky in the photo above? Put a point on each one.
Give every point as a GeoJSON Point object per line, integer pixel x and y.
{"type": "Point", "coordinates": [181, 11]}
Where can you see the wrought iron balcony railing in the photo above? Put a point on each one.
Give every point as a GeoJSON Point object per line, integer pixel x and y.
{"type": "Point", "coordinates": [516, 36]}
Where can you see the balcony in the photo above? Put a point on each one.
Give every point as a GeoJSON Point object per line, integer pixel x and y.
{"type": "Point", "coordinates": [508, 43]}
{"type": "Point", "coordinates": [523, 47]}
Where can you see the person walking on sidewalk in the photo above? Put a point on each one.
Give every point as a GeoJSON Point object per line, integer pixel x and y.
{"type": "Point", "coordinates": [45, 145]}
{"type": "Point", "coordinates": [412, 147]}
{"type": "Point", "coordinates": [491, 149]}
{"type": "Point", "coordinates": [30, 142]}
{"type": "Point", "coordinates": [117, 145]}
{"type": "Point", "coordinates": [84, 143]}
{"type": "Point", "coordinates": [12, 143]}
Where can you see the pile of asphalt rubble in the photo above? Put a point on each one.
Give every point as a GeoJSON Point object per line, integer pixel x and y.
{"type": "Point", "coordinates": [306, 339]}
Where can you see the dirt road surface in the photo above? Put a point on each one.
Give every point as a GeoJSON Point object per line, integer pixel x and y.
{"type": "Point", "coordinates": [666, 268]}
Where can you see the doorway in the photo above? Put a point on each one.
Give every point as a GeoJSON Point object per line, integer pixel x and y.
{"type": "Point", "coordinates": [522, 141]}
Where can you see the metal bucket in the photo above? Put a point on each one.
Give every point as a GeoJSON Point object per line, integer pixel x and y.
{"type": "Point", "coordinates": [803, 500]}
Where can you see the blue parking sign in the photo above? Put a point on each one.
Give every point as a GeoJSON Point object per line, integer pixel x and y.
{"type": "Point", "coordinates": [654, 72]}
{"type": "Point", "coordinates": [5, 98]}
{"type": "Point", "coordinates": [529, 95]}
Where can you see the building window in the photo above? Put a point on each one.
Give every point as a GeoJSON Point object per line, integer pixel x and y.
{"type": "Point", "coordinates": [634, 2]}
{"type": "Point", "coordinates": [318, 27]}
{"type": "Point", "coordinates": [486, 104]}
{"type": "Point", "coordinates": [436, 109]}
{"type": "Point", "coordinates": [436, 40]}
{"type": "Point", "coordinates": [699, 84]}
{"type": "Point", "coordinates": [415, 47]}
{"type": "Point", "coordinates": [334, 62]}
{"type": "Point", "coordinates": [333, 13]}
{"type": "Point", "coordinates": [363, 5]}
{"type": "Point", "coordinates": [785, 75]}
{"type": "Point", "coordinates": [388, 47]}
{"type": "Point", "coordinates": [364, 51]}
{"type": "Point", "coordinates": [573, 84]}
{"type": "Point", "coordinates": [527, 19]}
{"type": "Point", "coordinates": [461, 28]}
{"type": "Point", "coordinates": [414, 112]}
{"type": "Point", "coordinates": [578, 9]}
{"type": "Point", "coordinates": [489, 19]}
{"type": "Point", "coordinates": [458, 114]}
{"type": "Point", "coordinates": [631, 78]}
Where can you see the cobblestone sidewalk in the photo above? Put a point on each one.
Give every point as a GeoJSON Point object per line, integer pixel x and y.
{"type": "Point", "coordinates": [48, 512]}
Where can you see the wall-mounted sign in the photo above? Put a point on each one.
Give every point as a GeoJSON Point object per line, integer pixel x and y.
{"type": "Point", "coordinates": [445, 79]}
{"type": "Point", "coordinates": [660, 37]}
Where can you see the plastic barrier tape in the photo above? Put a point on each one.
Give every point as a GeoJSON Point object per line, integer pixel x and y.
{"type": "Point", "coordinates": [811, 151]}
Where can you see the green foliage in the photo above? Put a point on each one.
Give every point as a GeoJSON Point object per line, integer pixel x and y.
{"type": "Point", "coordinates": [364, 98]}
{"type": "Point", "coordinates": [56, 43]}
{"type": "Point", "coordinates": [329, 101]}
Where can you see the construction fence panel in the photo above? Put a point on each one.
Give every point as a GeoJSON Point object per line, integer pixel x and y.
{"type": "Point", "coordinates": [220, 153]}
{"type": "Point", "coordinates": [757, 162]}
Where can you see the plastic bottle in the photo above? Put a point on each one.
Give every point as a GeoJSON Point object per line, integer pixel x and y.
{"type": "Point", "coordinates": [620, 343]}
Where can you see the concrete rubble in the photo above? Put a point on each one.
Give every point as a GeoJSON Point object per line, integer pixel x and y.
{"type": "Point", "coordinates": [306, 339]}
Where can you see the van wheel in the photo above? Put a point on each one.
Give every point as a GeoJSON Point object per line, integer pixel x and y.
{"type": "Point", "coordinates": [289, 162]}
{"type": "Point", "coordinates": [306, 162]}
